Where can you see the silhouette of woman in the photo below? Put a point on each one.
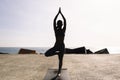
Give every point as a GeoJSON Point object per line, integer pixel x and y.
{"type": "Point", "coordinates": [59, 47]}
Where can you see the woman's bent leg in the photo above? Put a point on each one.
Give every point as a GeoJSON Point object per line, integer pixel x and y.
{"type": "Point", "coordinates": [50, 52]}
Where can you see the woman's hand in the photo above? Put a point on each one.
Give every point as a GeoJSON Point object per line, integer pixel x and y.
{"type": "Point", "coordinates": [59, 9]}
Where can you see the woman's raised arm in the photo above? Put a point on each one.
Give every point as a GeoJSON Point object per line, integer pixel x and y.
{"type": "Point", "coordinates": [64, 28]}
{"type": "Point", "coordinates": [54, 22]}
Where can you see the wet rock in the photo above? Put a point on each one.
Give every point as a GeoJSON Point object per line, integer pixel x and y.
{"type": "Point", "coordinates": [26, 51]}
{"type": "Point", "coordinates": [102, 51]}
{"type": "Point", "coordinates": [89, 51]}
{"type": "Point", "coordinates": [80, 50]}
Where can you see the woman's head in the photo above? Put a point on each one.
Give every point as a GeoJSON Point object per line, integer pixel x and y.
{"type": "Point", "coordinates": [59, 23]}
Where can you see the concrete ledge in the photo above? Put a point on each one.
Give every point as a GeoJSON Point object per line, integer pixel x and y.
{"type": "Point", "coordinates": [79, 67]}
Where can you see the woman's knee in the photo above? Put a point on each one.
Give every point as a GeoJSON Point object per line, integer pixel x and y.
{"type": "Point", "coordinates": [47, 54]}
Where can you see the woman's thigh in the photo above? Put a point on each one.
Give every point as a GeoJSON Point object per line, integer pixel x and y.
{"type": "Point", "coordinates": [50, 52]}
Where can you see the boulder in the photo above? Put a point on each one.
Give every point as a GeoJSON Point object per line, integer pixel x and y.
{"type": "Point", "coordinates": [89, 51]}
{"type": "Point", "coordinates": [3, 53]}
{"type": "Point", "coordinates": [80, 50]}
{"type": "Point", "coordinates": [102, 51]}
{"type": "Point", "coordinates": [26, 51]}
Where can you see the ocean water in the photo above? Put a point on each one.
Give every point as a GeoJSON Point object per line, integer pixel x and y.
{"type": "Point", "coordinates": [15, 50]}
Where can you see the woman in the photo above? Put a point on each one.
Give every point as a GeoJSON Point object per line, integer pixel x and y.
{"type": "Point", "coordinates": [59, 47]}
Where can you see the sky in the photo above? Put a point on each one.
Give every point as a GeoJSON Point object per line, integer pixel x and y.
{"type": "Point", "coordinates": [94, 24]}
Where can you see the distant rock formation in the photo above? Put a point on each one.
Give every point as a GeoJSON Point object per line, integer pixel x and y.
{"type": "Point", "coordinates": [26, 51]}
{"type": "Point", "coordinates": [102, 51]}
{"type": "Point", "coordinates": [80, 50]}
{"type": "Point", "coordinates": [3, 53]}
{"type": "Point", "coordinates": [83, 50]}
{"type": "Point", "coordinates": [89, 51]}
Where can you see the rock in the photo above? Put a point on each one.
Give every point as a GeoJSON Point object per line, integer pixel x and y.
{"type": "Point", "coordinates": [26, 51]}
{"type": "Point", "coordinates": [80, 50]}
{"type": "Point", "coordinates": [68, 50]}
{"type": "Point", "coordinates": [89, 51]}
{"type": "Point", "coordinates": [102, 51]}
{"type": "Point", "coordinates": [3, 53]}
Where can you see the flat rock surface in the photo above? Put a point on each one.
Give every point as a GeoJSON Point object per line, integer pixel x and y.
{"type": "Point", "coordinates": [51, 73]}
{"type": "Point", "coordinates": [79, 67]}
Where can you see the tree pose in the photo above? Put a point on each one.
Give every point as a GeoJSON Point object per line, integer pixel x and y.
{"type": "Point", "coordinates": [59, 47]}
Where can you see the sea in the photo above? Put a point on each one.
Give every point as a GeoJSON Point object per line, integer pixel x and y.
{"type": "Point", "coordinates": [15, 50]}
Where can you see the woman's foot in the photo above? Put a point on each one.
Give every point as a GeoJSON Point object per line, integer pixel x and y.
{"type": "Point", "coordinates": [59, 75]}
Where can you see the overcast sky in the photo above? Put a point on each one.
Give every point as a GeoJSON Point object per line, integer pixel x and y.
{"type": "Point", "coordinates": [90, 23]}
